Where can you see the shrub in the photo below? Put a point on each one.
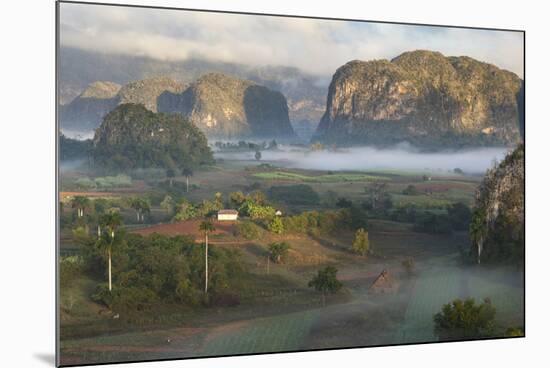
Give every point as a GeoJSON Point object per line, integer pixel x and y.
{"type": "Point", "coordinates": [361, 242]}
{"type": "Point", "coordinates": [278, 251]}
{"type": "Point", "coordinates": [69, 269]}
{"type": "Point", "coordinates": [85, 183]}
{"type": "Point", "coordinates": [409, 265]}
{"type": "Point", "coordinates": [276, 225]}
{"type": "Point", "coordinates": [410, 190]}
{"type": "Point", "coordinates": [465, 320]}
{"type": "Point", "coordinates": [248, 230]}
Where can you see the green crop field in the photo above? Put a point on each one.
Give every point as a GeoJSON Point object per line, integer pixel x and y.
{"type": "Point", "coordinates": [453, 282]}
{"type": "Point", "coordinates": [281, 333]}
{"type": "Point", "coordinates": [422, 201]}
{"type": "Point", "coordinates": [417, 325]}
{"type": "Point", "coordinates": [327, 178]}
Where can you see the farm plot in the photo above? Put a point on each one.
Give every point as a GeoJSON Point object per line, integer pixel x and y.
{"type": "Point", "coordinates": [504, 288]}
{"type": "Point", "coordinates": [281, 333]}
{"type": "Point", "coordinates": [328, 178]}
{"type": "Point", "coordinates": [439, 285]}
{"type": "Point", "coordinates": [434, 287]}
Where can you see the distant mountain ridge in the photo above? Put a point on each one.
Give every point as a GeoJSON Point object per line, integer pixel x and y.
{"type": "Point", "coordinates": [424, 98]}
{"type": "Point", "coordinates": [227, 107]}
{"type": "Point", "coordinates": [221, 106]}
{"type": "Point", "coordinates": [305, 93]}
{"type": "Point", "coordinates": [88, 109]}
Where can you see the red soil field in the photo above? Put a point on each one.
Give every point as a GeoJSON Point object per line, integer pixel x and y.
{"type": "Point", "coordinates": [190, 227]}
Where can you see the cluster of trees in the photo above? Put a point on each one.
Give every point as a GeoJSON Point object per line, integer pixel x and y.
{"type": "Point", "coordinates": [326, 222]}
{"type": "Point", "coordinates": [144, 139]}
{"type": "Point", "coordinates": [73, 149]}
{"type": "Point", "coordinates": [246, 146]}
{"type": "Point", "coordinates": [379, 200]}
{"type": "Point", "coordinates": [278, 251]}
{"type": "Point", "coordinates": [104, 182]}
{"type": "Point", "coordinates": [143, 271]}
{"type": "Point", "coordinates": [464, 319]}
{"type": "Point", "coordinates": [457, 218]}
{"type": "Point", "coordinates": [326, 282]}
{"type": "Point", "coordinates": [87, 212]}
{"type": "Point", "coordinates": [185, 210]}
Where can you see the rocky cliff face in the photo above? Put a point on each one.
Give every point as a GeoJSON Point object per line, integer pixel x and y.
{"type": "Point", "coordinates": [87, 110]}
{"type": "Point", "coordinates": [226, 107]}
{"type": "Point", "coordinates": [422, 97]}
{"type": "Point", "coordinates": [498, 223]}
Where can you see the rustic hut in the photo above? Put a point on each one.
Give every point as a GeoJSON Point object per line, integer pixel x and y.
{"type": "Point", "coordinates": [384, 283]}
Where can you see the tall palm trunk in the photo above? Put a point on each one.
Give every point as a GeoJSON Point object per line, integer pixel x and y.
{"type": "Point", "coordinates": [206, 263]}
{"type": "Point", "coordinates": [479, 249]}
{"type": "Point", "coordinates": [187, 184]}
{"type": "Point", "coordinates": [110, 279]}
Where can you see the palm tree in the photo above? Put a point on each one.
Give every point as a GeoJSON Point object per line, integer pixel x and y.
{"type": "Point", "coordinates": [187, 172]}
{"type": "Point", "coordinates": [80, 203]}
{"type": "Point", "coordinates": [111, 221]}
{"type": "Point", "coordinates": [477, 232]}
{"type": "Point", "coordinates": [170, 173]}
{"type": "Point", "coordinates": [206, 227]}
{"type": "Point", "coordinates": [141, 206]}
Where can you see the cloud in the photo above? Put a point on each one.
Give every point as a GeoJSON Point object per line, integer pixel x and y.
{"type": "Point", "coordinates": [317, 46]}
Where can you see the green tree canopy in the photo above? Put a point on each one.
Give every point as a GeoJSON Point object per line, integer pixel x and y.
{"type": "Point", "coordinates": [326, 282]}
{"type": "Point", "coordinates": [361, 242]}
{"type": "Point", "coordinates": [277, 251]}
{"type": "Point", "coordinates": [464, 319]}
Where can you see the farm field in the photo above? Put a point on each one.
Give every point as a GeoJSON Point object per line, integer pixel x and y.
{"type": "Point", "coordinates": [276, 309]}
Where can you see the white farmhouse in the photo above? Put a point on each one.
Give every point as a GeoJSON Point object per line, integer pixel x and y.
{"type": "Point", "coordinates": [228, 215]}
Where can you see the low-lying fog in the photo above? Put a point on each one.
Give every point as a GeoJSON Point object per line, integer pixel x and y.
{"type": "Point", "coordinates": [400, 157]}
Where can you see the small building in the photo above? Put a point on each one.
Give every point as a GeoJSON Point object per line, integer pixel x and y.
{"type": "Point", "coordinates": [228, 215]}
{"type": "Point", "coordinates": [384, 283]}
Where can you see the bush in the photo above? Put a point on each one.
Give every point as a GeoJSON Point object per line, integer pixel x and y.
{"type": "Point", "coordinates": [409, 265]}
{"type": "Point", "coordinates": [276, 225]}
{"type": "Point", "coordinates": [410, 190]}
{"type": "Point", "coordinates": [248, 230]}
{"type": "Point", "coordinates": [85, 183]}
{"type": "Point", "coordinates": [278, 251]}
{"type": "Point", "coordinates": [465, 320]}
{"type": "Point", "coordinates": [69, 269]}
{"type": "Point", "coordinates": [125, 299]}
{"type": "Point", "coordinates": [361, 242]}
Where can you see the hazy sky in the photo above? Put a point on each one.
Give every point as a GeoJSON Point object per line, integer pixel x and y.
{"type": "Point", "coordinates": [317, 46]}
